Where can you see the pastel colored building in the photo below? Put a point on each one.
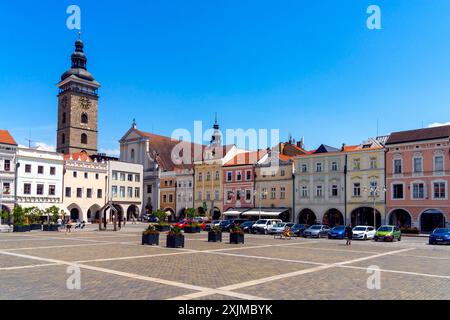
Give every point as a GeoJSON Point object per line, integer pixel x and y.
{"type": "Point", "coordinates": [8, 147]}
{"type": "Point", "coordinates": [418, 178]}
{"type": "Point", "coordinates": [239, 182]}
{"type": "Point", "coordinates": [365, 200]}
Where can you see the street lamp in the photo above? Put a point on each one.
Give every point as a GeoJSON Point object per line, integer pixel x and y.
{"type": "Point", "coordinates": [374, 193]}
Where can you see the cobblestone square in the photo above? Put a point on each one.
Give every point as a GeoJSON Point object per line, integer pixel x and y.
{"type": "Point", "coordinates": [114, 265]}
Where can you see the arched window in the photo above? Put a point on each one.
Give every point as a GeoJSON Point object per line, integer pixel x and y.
{"type": "Point", "coordinates": [64, 117]}
{"type": "Point", "coordinates": [84, 139]}
{"type": "Point", "coordinates": [132, 154]}
{"type": "Point", "coordinates": [63, 138]}
{"type": "Point", "coordinates": [84, 118]}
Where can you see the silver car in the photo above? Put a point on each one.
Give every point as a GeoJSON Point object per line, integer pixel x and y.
{"type": "Point", "coordinates": [279, 228]}
{"type": "Point", "coordinates": [316, 231]}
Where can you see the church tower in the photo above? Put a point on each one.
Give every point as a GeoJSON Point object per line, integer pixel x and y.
{"type": "Point", "coordinates": [77, 107]}
{"type": "Point", "coordinates": [216, 138]}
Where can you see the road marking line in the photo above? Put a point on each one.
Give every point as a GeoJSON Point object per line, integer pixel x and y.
{"type": "Point", "coordinates": [301, 272]}
{"type": "Point", "coordinates": [401, 272]}
{"type": "Point", "coordinates": [139, 277]}
{"type": "Point", "coordinates": [29, 266]}
{"type": "Point", "coordinates": [62, 246]}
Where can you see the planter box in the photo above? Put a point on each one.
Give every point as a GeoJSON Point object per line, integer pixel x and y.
{"type": "Point", "coordinates": [150, 239]}
{"type": "Point", "coordinates": [162, 228]}
{"type": "Point", "coordinates": [175, 241]}
{"type": "Point", "coordinates": [36, 226]}
{"type": "Point", "coordinates": [50, 227]}
{"type": "Point", "coordinates": [236, 238]}
{"type": "Point", "coordinates": [214, 236]}
{"type": "Point", "coordinates": [192, 229]}
{"type": "Point", "coordinates": [22, 228]}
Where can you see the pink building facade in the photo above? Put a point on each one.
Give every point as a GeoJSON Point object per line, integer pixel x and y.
{"type": "Point", "coordinates": [418, 178]}
{"type": "Point", "coordinates": [239, 182]}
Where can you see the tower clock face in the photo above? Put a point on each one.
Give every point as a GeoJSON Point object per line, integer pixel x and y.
{"type": "Point", "coordinates": [85, 102]}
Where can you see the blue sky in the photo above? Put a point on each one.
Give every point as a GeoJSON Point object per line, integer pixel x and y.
{"type": "Point", "coordinates": [309, 68]}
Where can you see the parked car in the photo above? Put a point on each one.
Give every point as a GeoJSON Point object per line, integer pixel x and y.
{"type": "Point", "coordinates": [440, 236]}
{"type": "Point", "coordinates": [388, 233]}
{"type": "Point", "coordinates": [211, 224]}
{"type": "Point", "coordinates": [262, 226]}
{"type": "Point", "coordinates": [279, 227]}
{"type": "Point", "coordinates": [182, 223]}
{"type": "Point", "coordinates": [247, 226]}
{"type": "Point", "coordinates": [338, 232]}
{"type": "Point", "coordinates": [297, 229]}
{"type": "Point", "coordinates": [225, 225]}
{"type": "Point", "coordinates": [363, 232]}
{"type": "Point", "coordinates": [316, 231]}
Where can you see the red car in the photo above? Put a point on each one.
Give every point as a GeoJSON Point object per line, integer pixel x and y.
{"type": "Point", "coordinates": [182, 223]}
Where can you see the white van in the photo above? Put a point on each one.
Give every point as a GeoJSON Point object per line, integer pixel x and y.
{"type": "Point", "coordinates": [263, 225]}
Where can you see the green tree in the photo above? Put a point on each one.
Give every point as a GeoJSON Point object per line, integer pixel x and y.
{"type": "Point", "coordinates": [53, 211]}
{"type": "Point", "coordinates": [190, 213]}
{"type": "Point", "coordinates": [161, 215]}
{"type": "Point", "coordinates": [33, 214]}
{"type": "Point", "coordinates": [18, 216]}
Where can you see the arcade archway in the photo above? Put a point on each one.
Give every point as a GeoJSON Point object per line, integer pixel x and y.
{"type": "Point", "coordinates": [364, 216]}
{"type": "Point", "coordinates": [400, 218]}
{"type": "Point", "coordinates": [307, 216]}
{"type": "Point", "coordinates": [333, 217]}
{"type": "Point", "coordinates": [431, 219]}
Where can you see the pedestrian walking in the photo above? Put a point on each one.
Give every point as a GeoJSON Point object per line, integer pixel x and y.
{"type": "Point", "coordinates": [59, 222]}
{"type": "Point", "coordinates": [68, 226]}
{"type": "Point", "coordinates": [349, 234]}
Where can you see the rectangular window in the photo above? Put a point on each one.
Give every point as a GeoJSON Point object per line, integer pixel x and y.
{"type": "Point", "coordinates": [97, 176]}
{"type": "Point", "coordinates": [200, 176]}
{"type": "Point", "coordinates": [79, 192]}
{"type": "Point", "coordinates": [208, 176]}
{"type": "Point", "coordinates": [99, 193]}
{"type": "Point", "coordinates": [439, 190]}
{"type": "Point", "coordinates": [122, 192]}
{"type": "Point", "coordinates": [89, 193]}
{"type": "Point", "coordinates": [273, 173]}
{"type": "Point", "coordinates": [68, 192]}
{"type": "Point", "coordinates": [334, 166]}
{"type": "Point", "coordinates": [86, 175]}
{"type": "Point", "coordinates": [373, 163]}
{"type": "Point", "coordinates": [7, 165]}
{"type": "Point", "coordinates": [217, 175]}
{"type": "Point", "coordinates": [229, 176]}
{"type": "Point", "coordinates": [282, 193]}
{"type": "Point", "coordinates": [397, 191]}
{"type": "Point", "coordinates": [130, 177]}
{"type": "Point", "coordinates": [356, 164]}
{"type": "Point", "coordinates": [149, 188]}
{"type": "Point", "coordinates": [229, 195]}
{"type": "Point", "coordinates": [27, 188]}
{"type": "Point", "coordinates": [319, 167]}
{"type": "Point", "coordinates": [438, 163]}
{"type": "Point", "coordinates": [304, 168]}
{"type": "Point", "coordinates": [114, 175]}
{"type": "Point", "coordinates": [52, 171]}
{"type": "Point", "coordinates": [130, 192]}
{"type": "Point", "coordinates": [137, 178]}
{"type": "Point", "coordinates": [264, 193]}
{"type": "Point", "coordinates": [417, 165]}
{"type": "Point", "coordinates": [239, 176]}
{"type": "Point", "coordinates": [248, 175]}
{"type": "Point", "coordinates": [319, 192]}
{"type": "Point", "coordinates": [334, 190]}
{"type": "Point", "coordinates": [238, 195]}
{"type": "Point", "coordinates": [216, 195]}
{"type": "Point", "coordinates": [28, 168]}
{"type": "Point", "coordinates": [51, 190]}
{"type": "Point", "coordinates": [283, 173]}
{"type": "Point", "coordinates": [114, 191]}
{"type": "Point", "coordinates": [164, 198]}
{"type": "Point", "coordinates": [199, 195]}
{"type": "Point", "coordinates": [304, 191]}
{"type": "Point", "coordinates": [137, 192]}
{"type": "Point", "coordinates": [418, 191]}
{"type": "Point", "coordinates": [6, 188]}
{"type": "Point", "coordinates": [273, 193]}
{"type": "Point", "coordinates": [74, 174]}
{"type": "Point", "coordinates": [170, 198]}
{"type": "Point", "coordinates": [40, 189]}
{"type": "Point", "coordinates": [356, 189]}
{"type": "Point", "coordinates": [373, 186]}
{"type": "Point", "coordinates": [122, 177]}
{"type": "Point", "coordinates": [208, 195]}
{"type": "Point", "coordinates": [248, 195]}
{"type": "Point", "coordinates": [398, 166]}
{"type": "Point", "coordinates": [40, 169]}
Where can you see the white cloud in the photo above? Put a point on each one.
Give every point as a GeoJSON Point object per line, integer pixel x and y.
{"type": "Point", "coordinates": [110, 152]}
{"type": "Point", "coordinates": [437, 124]}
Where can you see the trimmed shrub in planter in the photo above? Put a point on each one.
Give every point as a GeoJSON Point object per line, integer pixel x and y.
{"type": "Point", "coordinates": [24, 228]}
{"type": "Point", "coordinates": [36, 226]}
{"type": "Point", "coordinates": [175, 239]}
{"type": "Point", "coordinates": [236, 235]}
{"type": "Point", "coordinates": [192, 229]}
{"type": "Point", "coordinates": [150, 236]}
{"type": "Point", "coordinates": [215, 234]}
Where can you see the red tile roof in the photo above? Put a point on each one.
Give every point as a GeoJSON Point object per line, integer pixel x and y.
{"type": "Point", "coordinates": [78, 156]}
{"type": "Point", "coordinates": [419, 135]}
{"type": "Point", "coordinates": [6, 138]}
